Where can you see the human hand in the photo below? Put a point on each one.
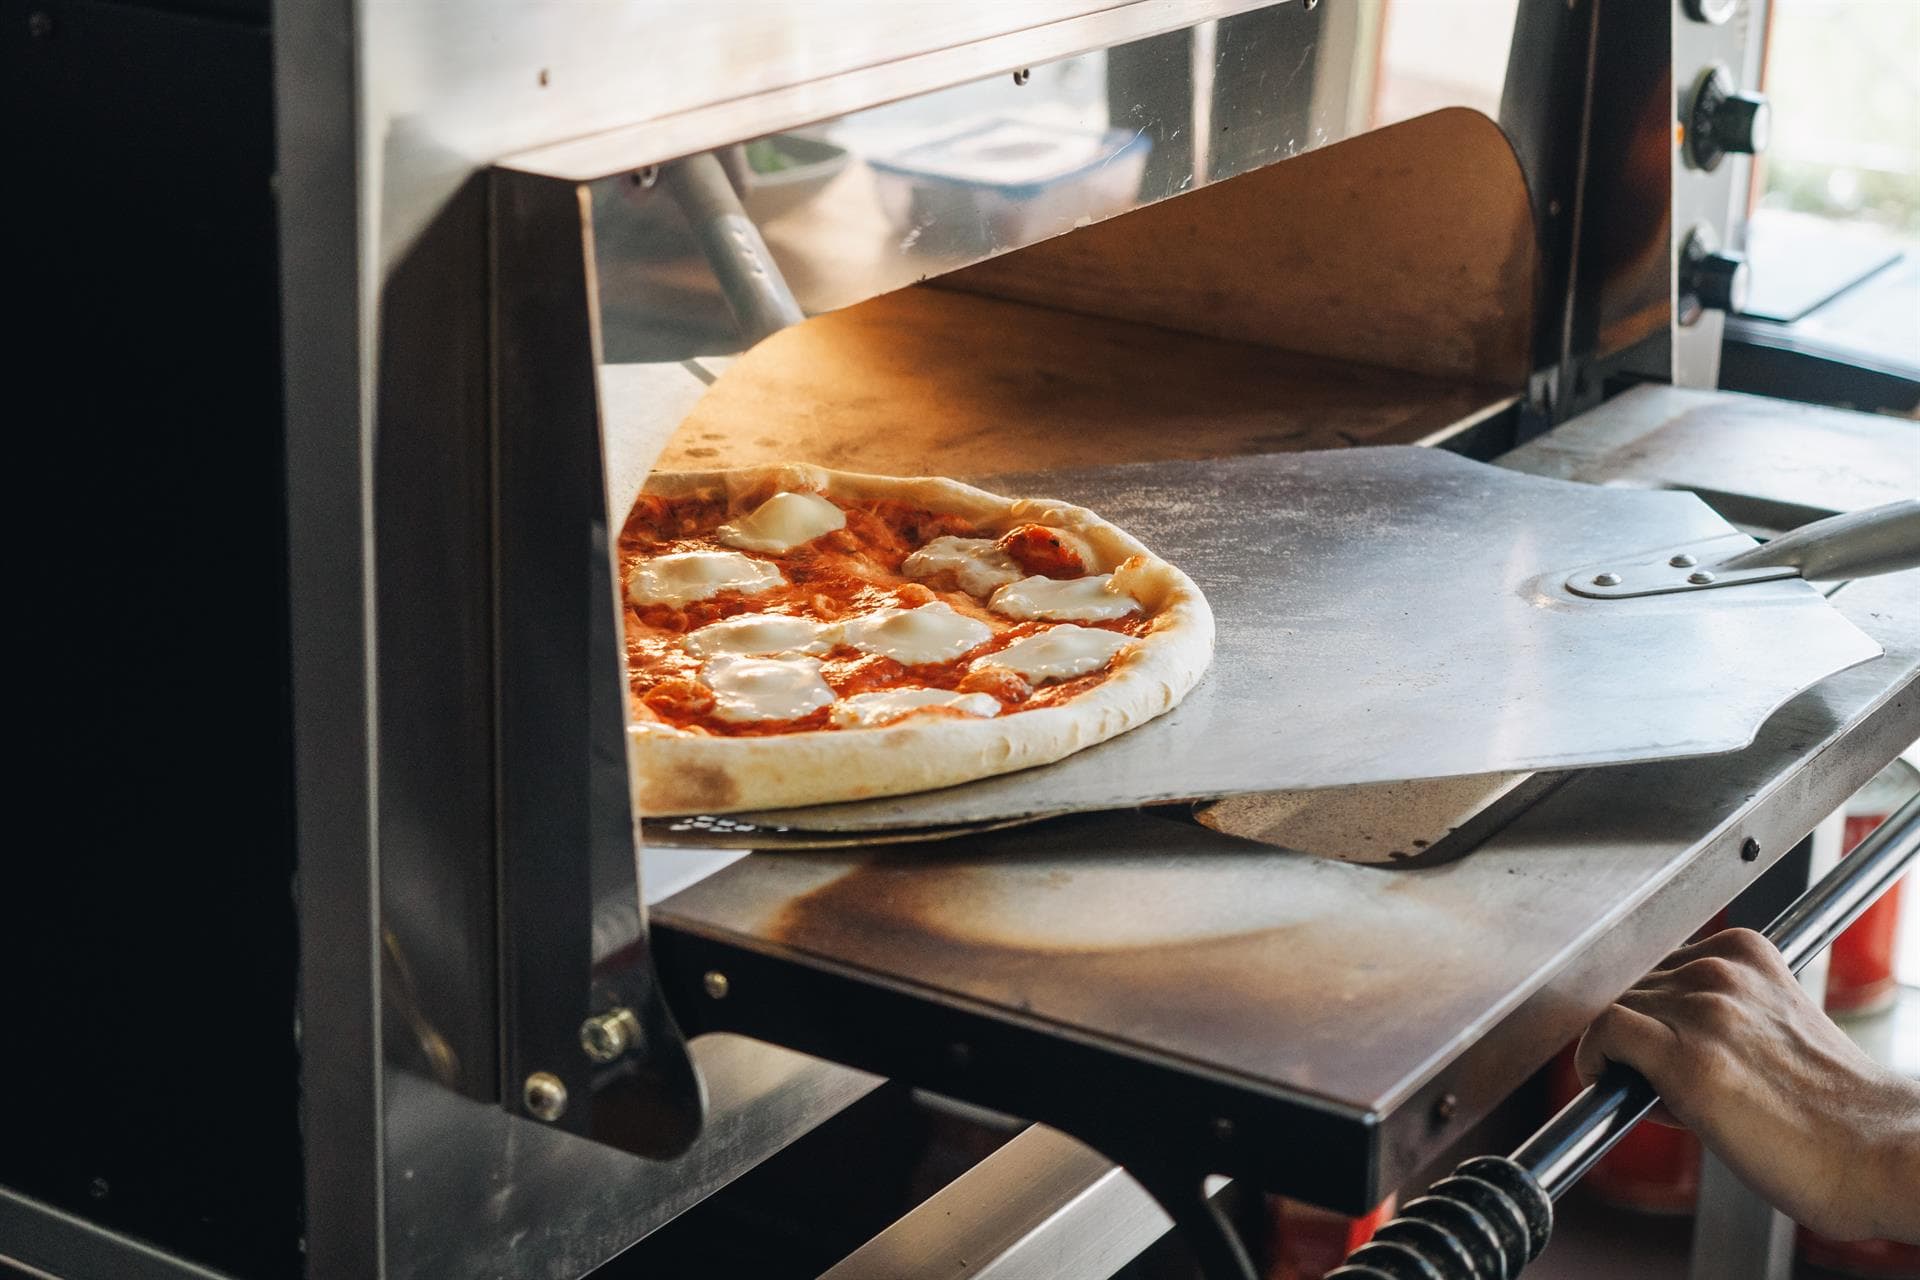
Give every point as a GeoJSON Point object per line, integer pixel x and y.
{"type": "Point", "coordinates": [1741, 1055]}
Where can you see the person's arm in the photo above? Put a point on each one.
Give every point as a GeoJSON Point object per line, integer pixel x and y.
{"type": "Point", "coordinates": [1743, 1057]}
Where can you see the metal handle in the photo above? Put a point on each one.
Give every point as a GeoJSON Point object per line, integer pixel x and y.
{"type": "Point", "coordinates": [1858, 544]}
{"type": "Point", "coordinates": [1494, 1215]}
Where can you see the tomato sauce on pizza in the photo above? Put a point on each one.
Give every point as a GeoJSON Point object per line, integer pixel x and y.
{"type": "Point", "coordinates": [811, 613]}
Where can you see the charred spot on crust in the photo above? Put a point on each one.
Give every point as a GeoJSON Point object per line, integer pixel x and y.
{"type": "Point", "coordinates": [690, 789]}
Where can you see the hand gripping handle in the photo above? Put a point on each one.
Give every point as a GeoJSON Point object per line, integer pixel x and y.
{"type": "Point", "coordinates": [1493, 1216]}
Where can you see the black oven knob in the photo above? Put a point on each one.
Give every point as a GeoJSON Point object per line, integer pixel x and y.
{"type": "Point", "coordinates": [1742, 123]}
{"type": "Point", "coordinates": [1720, 281]}
{"type": "Point", "coordinates": [1720, 120]}
{"type": "Point", "coordinates": [1711, 11]}
{"type": "Point", "coordinates": [1710, 278]}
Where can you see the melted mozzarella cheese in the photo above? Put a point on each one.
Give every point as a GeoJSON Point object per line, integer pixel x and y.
{"type": "Point", "coordinates": [977, 565]}
{"type": "Point", "coordinates": [1093, 599]}
{"type": "Point", "coordinates": [782, 523]}
{"type": "Point", "coordinates": [763, 633]}
{"type": "Point", "coordinates": [930, 633]}
{"type": "Point", "coordinates": [1059, 653]}
{"type": "Point", "coordinates": [869, 710]}
{"type": "Point", "coordinates": [747, 689]}
{"type": "Point", "coordinates": [686, 576]}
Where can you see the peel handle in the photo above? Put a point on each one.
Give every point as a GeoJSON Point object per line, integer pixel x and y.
{"type": "Point", "coordinates": [1858, 544]}
{"type": "Point", "coordinates": [1494, 1216]}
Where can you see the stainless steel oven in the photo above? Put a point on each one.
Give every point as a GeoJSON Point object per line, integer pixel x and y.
{"type": "Point", "coordinates": [530, 253]}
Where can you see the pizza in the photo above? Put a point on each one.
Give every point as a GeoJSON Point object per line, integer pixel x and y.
{"type": "Point", "coordinates": [799, 636]}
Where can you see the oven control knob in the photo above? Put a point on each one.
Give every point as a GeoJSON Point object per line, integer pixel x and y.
{"type": "Point", "coordinates": [1720, 120]}
{"type": "Point", "coordinates": [1742, 123]}
{"type": "Point", "coordinates": [1710, 278]}
{"type": "Point", "coordinates": [1720, 280]}
{"type": "Point", "coordinates": [1714, 12]}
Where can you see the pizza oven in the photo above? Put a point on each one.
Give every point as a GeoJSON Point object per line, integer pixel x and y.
{"type": "Point", "coordinates": [1104, 248]}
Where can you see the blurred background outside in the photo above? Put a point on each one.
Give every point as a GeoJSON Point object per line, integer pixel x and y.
{"type": "Point", "coordinates": [1844, 78]}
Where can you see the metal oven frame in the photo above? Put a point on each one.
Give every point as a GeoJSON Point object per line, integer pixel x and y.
{"type": "Point", "coordinates": [468, 892]}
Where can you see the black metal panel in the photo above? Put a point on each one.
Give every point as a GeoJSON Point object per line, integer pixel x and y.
{"type": "Point", "coordinates": [573, 930]}
{"type": "Point", "coordinates": [434, 612]}
{"type": "Point", "coordinates": [149, 1013]}
{"type": "Point", "coordinates": [1621, 287]}
{"type": "Point", "coordinates": [245, 10]}
{"type": "Point", "coordinates": [1588, 109]}
{"type": "Point", "coordinates": [1543, 111]}
{"type": "Point", "coordinates": [1166, 1119]}
{"type": "Point", "coordinates": [1776, 360]}
{"type": "Point", "coordinates": [546, 509]}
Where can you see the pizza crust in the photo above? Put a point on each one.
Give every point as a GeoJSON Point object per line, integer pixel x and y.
{"type": "Point", "coordinates": [678, 772]}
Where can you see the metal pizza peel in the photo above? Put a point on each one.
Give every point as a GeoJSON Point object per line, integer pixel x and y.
{"type": "Point", "coordinates": [1396, 614]}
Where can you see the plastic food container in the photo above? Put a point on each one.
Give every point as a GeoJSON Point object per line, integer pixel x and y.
{"type": "Point", "coordinates": [787, 170]}
{"type": "Point", "coordinates": [1878, 1259]}
{"type": "Point", "coordinates": [1860, 975]}
{"type": "Point", "coordinates": [1008, 182]}
{"type": "Point", "coordinates": [1305, 1241]}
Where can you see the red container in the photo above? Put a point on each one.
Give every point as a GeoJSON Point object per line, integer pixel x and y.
{"type": "Point", "coordinates": [1876, 1259]}
{"type": "Point", "coordinates": [1860, 980]}
{"type": "Point", "coordinates": [1306, 1242]}
{"type": "Point", "coordinates": [1860, 974]}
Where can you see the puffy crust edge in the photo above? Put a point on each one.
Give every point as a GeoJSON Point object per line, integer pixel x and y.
{"type": "Point", "coordinates": [676, 772]}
